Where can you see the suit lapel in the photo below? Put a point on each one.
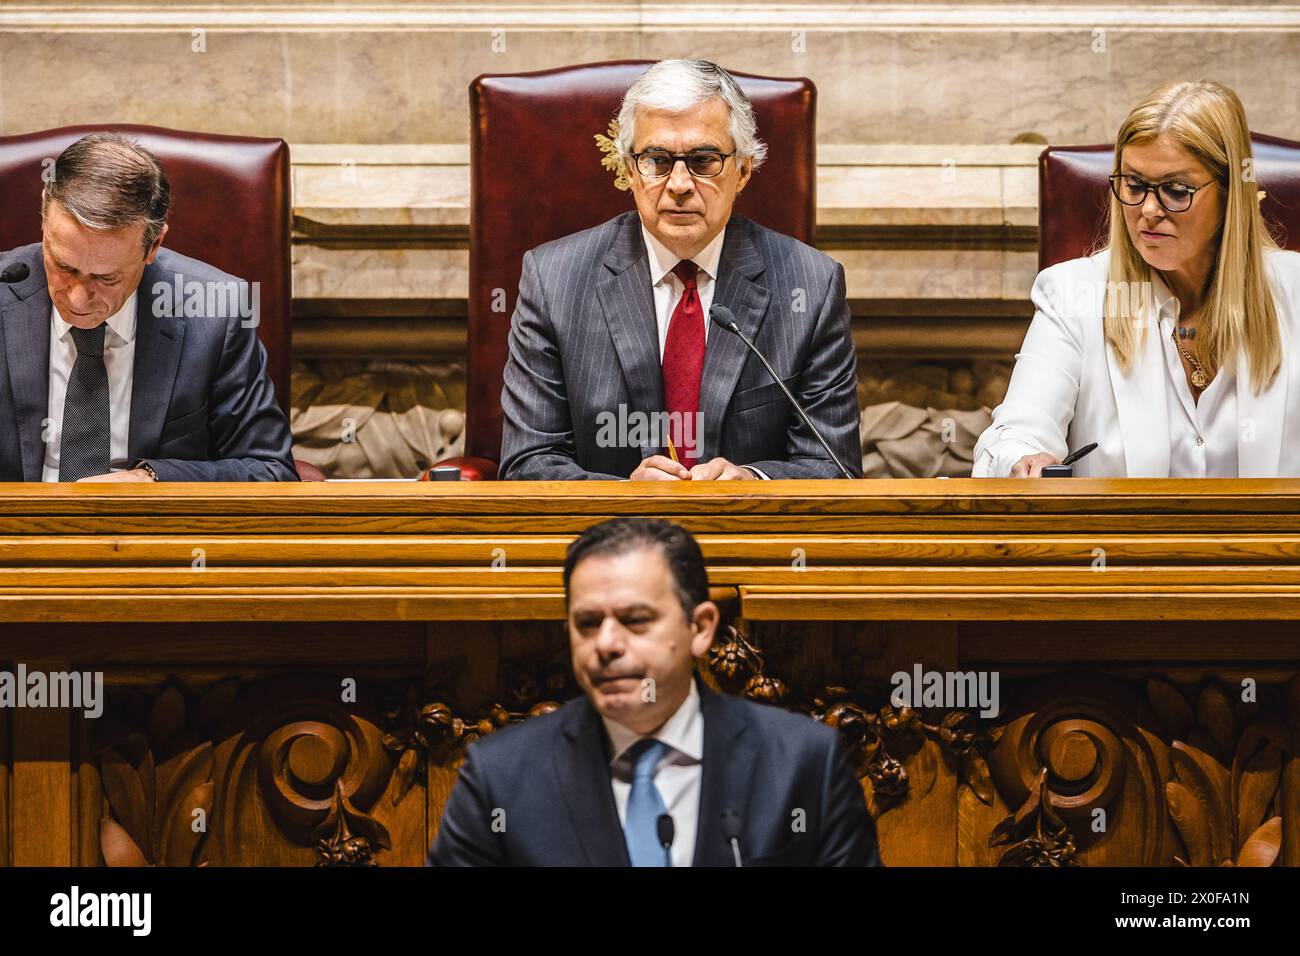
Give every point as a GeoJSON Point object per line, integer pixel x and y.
{"type": "Point", "coordinates": [1262, 418]}
{"type": "Point", "coordinates": [581, 769]}
{"type": "Point", "coordinates": [158, 342]}
{"type": "Point", "coordinates": [628, 303]}
{"type": "Point", "coordinates": [582, 774]}
{"type": "Point", "coordinates": [1140, 404]}
{"type": "Point", "coordinates": [730, 757]}
{"type": "Point", "coordinates": [725, 354]}
{"type": "Point", "coordinates": [25, 335]}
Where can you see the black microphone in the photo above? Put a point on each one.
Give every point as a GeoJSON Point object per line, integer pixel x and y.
{"type": "Point", "coordinates": [15, 273]}
{"type": "Point", "coordinates": [664, 825]}
{"type": "Point", "coordinates": [731, 829]}
{"type": "Point", "coordinates": [721, 315]}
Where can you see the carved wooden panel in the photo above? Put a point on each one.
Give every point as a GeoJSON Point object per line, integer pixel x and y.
{"type": "Point", "coordinates": [1080, 768]}
{"type": "Point", "coordinates": [287, 771]}
{"type": "Point", "coordinates": [1097, 758]}
{"type": "Point", "coordinates": [325, 768]}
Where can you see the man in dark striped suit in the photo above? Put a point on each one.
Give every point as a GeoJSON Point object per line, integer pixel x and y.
{"type": "Point", "coordinates": [614, 368]}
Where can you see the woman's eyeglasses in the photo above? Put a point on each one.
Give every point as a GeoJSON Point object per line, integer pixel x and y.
{"type": "Point", "coordinates": [1173, 195]}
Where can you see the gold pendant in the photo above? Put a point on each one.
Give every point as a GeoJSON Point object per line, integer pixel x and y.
{"type": "Point", "coordinates": [1199, 379]}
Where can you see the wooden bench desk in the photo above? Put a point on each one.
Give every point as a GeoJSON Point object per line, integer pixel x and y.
{"type": "Point", "coordinates": [299, 667]}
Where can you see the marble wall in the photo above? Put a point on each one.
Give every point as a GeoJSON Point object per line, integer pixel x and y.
{"type": "Point", "coordinates": [322, 72]}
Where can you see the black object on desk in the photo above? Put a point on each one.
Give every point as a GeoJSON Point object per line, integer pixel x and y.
{"type": "Point", "coordinates": [1066, 468]}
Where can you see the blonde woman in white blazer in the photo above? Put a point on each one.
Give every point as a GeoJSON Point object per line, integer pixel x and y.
{"type": "Point", "coordinates": [1174, 347]}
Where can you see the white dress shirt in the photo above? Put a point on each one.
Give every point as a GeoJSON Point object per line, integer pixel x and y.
{"type": "Point", "coordinates": [1068, 388]}
{"type": "Point", "coordinates": [668, 289]}
{"type": "Point", "coordinates": [1203, 435]}
{"type": "Point", "coordinates": [119, 362]}
{"type": "Point", "coordinates": [678, 775]}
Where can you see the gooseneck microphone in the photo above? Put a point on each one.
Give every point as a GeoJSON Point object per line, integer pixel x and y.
{"type": "Point", "coordinates": [666, 830]}
{"type": "Point", "coordinates": [15, 273]}
{"type": "Point", "coordinates": [720, 315]}
{"type": "Point", "coordinates": [731, 830]}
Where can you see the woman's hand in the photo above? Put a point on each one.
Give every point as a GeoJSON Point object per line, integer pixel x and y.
{"type": "Point", "coordinates": [1031, 466]}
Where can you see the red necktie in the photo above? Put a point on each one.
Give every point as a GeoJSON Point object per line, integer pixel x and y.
{"type": "Point", "coordinates": [684, 364]}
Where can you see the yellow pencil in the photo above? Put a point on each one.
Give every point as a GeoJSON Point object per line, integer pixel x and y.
{"type": "Point", "coordinates": [672, 452]}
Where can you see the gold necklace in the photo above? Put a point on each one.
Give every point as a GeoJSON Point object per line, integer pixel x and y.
{"type": "Point", "coordinates": [1199, 378]}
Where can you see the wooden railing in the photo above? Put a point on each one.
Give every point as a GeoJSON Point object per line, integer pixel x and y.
{"type": "Point", "coordinates": [283, 657]}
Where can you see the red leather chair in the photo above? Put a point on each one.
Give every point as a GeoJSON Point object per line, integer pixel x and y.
{"type": "Point", "coordinates": [536, 175]}
{"type": "Point", "coordinates": [230, 207]}
{"type": "Point", "coordinates": [1074, 196]}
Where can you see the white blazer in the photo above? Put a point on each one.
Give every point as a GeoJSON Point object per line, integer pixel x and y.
{"type": "Point", "coordinates": [1067, 388]}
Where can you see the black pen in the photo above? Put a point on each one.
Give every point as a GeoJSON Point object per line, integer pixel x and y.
{"type": "Point", "coordinates": [1086, 449]}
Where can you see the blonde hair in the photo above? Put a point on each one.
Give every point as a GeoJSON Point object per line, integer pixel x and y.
{"type": "Point", "coordinates": [1238, 316]}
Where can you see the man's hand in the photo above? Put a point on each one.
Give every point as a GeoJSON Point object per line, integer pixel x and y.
{"type": "Point", "coordinates": [719, 469]}
{"type": "Point", "coordinates": [135, 474]}
{"type": "Point", "coordinates": [660, 468]}
{"type": "Point", "coordinates": [1031, 466]}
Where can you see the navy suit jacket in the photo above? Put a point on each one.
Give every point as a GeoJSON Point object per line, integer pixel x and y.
{"type": "Point", "coordinates": [546, 785]}
{"type": "Point", "coordinates": [584, 343]}
{"type": "Point", "coordinates": [202, 405]}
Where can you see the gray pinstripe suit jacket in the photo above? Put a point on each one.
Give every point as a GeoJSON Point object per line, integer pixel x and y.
{"type": "Point", "coordinates": [583, 341]}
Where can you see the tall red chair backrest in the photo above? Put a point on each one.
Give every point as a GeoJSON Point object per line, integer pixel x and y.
{"type": "Point", "coordinates": [536, 175]}
{"type": "Point", "coordinates": [230, 207]}
{"type": "Point", "coordinates": [1074, 196]}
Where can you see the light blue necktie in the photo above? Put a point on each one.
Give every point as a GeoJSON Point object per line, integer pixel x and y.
{"type": "Point", "coordinates": [645, 805]}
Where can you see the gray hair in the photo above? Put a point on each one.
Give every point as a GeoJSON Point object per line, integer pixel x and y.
{"type": "Point", "coordinates": [677, 85]}
{"type": "Point", "coordinates": [108, 181]}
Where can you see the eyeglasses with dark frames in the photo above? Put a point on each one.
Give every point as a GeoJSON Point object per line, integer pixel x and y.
{"type": "Point", "coordinates": [659, 163]}
{"type": "Point", "coordinates": [1174, 195]}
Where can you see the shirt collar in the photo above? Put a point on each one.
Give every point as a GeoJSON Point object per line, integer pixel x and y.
{"type": "Point", "coordinates": [663, 262]}
{"type": "Point", "coordinates": [683, 731]}
{"type": "Point", "coordinates": [1167, 304]}
{"type": "Point", "coordinates": [121, 325]}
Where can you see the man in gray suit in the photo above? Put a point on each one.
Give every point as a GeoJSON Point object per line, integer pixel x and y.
{"type": "Point", "coordinates": [615, 370]}
{"type": "Point", "coordinates": [120, 360]}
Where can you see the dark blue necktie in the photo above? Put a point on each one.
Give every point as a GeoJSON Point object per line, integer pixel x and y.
{"type": "Point", "coordinates": [84, 437]}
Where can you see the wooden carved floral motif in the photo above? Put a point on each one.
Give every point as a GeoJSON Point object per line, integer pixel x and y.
{"type": "Point", "coordinates": [290, 763]}
{"type": "Point", "coordinates": [156, 773]}
{"type": "Point", "coordinates": [881, 738]}
{"type": "Point", "coordinates": [1083, 769]}
{"type": "Point", "coordinates": [1095, 773]}
{"type": "Point", "coordinates": [421, 725]}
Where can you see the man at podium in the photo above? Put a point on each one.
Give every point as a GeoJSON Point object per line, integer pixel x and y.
{"type": "Point", "coordinates": [121, 360]}
{"type": "Point", "coordinates": [618, 367]}
{"type": "Point", "coordinates": [650, 767]}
